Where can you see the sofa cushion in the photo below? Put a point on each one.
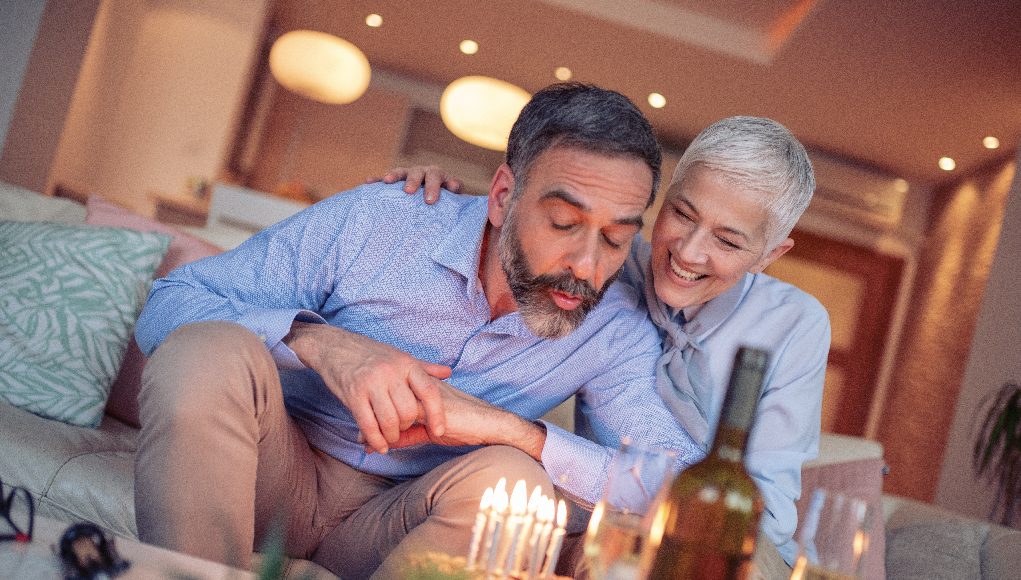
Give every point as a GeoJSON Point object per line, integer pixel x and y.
{"type": "Point", "coordinates": [98, 487]}
{"type": "Point", "coordinates": [22, 205]}
{"type": "Point", "coordinates": [123, 401]}
{"type": "Point", "coordinates": [74, 472]}
{"type": "Point", "coordinates": [934, 550]}
{"type": "Point", "coordinates": [1001, 554]}
{"type": "Point", "coordinates": [69, 296]}
{"type": "Point", "coordinates": [997, 548]}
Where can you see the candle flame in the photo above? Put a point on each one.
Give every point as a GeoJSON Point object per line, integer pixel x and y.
{"type": "Point", "coordinates": [501, 485]}
{"type": "Point", "coordinates": [561, 514]}
{"type": "Point", "coordinates": [549, 510]}
{"type": "Point", "coordinates": [500, 498]}
{"type": "Point", "coordinates": [534, 499]}
{"type": "Point", "coordinates": [518, 502]}
{"type": "Point", "coordinates": [487, 499]}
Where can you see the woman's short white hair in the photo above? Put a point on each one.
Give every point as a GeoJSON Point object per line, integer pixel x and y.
{"type": "Point", "coordinates": [761, 155]}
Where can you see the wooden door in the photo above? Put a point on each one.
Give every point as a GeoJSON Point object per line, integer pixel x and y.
{"type": "Point", "coordinates": [858, 286]}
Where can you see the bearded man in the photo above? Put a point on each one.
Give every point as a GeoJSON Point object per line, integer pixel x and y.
{"type": "Point", "coordinates": [365, 369]}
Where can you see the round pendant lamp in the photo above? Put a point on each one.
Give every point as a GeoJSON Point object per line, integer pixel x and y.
{"type": "Point", "coordinates": [320, 66]}
{"type": "Point", "coordinates": [481, 110]}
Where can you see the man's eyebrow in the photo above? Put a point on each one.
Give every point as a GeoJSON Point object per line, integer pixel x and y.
{"type": "Point", "coordinates": [736, 232]}
{"type": "Point", "coordinates": [569, 199]}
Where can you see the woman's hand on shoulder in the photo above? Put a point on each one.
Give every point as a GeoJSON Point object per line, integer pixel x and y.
{"type": "Point", "coordinates": [432, 177]}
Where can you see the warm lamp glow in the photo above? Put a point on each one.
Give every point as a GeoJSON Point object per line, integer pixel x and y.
{"type": "Point", "coordinates": [469, 46]}
{"type": "Point", "coordinates": [374, 20]}
{"type": "Point", "coordinates": [947, 164]}
{"type": "Point", "coordinates": [482, 110]}
{"type": "Point", "coordinates": [320, 66]}
{"type": "Point", "coordinates": [990, 142]}
{"type": "Point", "coordinates": [563, 73]}
{"type": "Point", "coordinates": [657, 100]}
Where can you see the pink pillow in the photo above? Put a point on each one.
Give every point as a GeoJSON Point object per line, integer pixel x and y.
{"type": "Point", "coordinates": [123, 401]}
{"type": "Point", "coordinates": [184, 248]}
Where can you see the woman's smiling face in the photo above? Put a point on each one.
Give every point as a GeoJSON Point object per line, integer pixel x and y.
{"type": "Point", "coordinates": [707, 235]}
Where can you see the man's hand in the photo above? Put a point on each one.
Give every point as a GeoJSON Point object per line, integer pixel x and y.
{"type": "Point", "coordinates": [432, 176]}
{"type": "Point", "coordinates": [386, 390]}
{"type": "Point", "coordinates": [472, 421]}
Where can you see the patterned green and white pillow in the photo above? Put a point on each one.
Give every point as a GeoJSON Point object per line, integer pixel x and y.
{"type": "Point", "coordinates": [69, 297]}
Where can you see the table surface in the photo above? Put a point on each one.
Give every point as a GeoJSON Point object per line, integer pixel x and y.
{"type": "Point", "coordinates": [39, 558]}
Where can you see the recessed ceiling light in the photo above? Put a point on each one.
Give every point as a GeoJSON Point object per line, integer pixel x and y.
{"type": "Point", "coordinates": [900, 185]}
{"type": "Point", "coordinates": [990, 142]}
{"type": "Point", "coordinates": [947, 164]}
{"type": "Point", "coordinates": [563, 73]}
{"type": "Point", "coordinates": [469, 46]}
{"type": "Point", "coordinates": [657, 100]}
{"type": "Point", "coordinates": [374, 20]}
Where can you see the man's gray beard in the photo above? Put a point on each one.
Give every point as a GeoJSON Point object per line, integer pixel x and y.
{"type": "Point", "coordinates": [531, 293]}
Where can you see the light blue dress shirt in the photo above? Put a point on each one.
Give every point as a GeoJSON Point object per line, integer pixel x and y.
{"type": "Point", "coordinates": [381, 263]}
{"type": "Point", "coordinates": [694, 370]}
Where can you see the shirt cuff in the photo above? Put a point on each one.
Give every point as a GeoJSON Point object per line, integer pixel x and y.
{"type": "Point", "coordinates": [577, 466]}
{"type": "Point", "coordinates": [272, 325]}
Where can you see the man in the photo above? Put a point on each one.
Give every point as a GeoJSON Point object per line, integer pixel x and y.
{"type": "Point", "coordinates": [287, 372]}
{"type": "Point", "coordinates": [735, 196]}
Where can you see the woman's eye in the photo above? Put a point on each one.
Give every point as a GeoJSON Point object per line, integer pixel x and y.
{"type": "Point", "coordinates": [562, 227]}
{"type": "Point", "coordinates": [729, 244]}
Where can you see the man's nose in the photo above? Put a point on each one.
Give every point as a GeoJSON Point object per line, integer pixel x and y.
{"type": "Point", "coordinates": [584, 261]}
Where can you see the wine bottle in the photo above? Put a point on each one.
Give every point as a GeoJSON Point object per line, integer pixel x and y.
{"type": "Point", "coordinates": [706, 526]}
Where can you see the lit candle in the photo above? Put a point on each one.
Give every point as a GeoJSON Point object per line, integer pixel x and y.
{"type": "Point", "coordinates": [524, 542]}
{"type": "Point", "coordinates": [496, 516]}
{"type": "Point", "coordinates": [541, 534]}
{"type": "Point", "coordinates": [480, 526]}
{"type": "Point", "coordinates": [515, 523]}
{"type": "Point", "coordinates": [556, 541]}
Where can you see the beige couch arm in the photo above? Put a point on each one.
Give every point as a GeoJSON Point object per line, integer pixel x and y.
{"type": "Point", "coordinates": [925, 541]}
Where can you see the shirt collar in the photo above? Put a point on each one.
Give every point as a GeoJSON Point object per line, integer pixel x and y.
{"type": "Point", "coordinates": [461, 247]}
{"type": "Point", "coordinates": [460, 250]}
{"type": "Point", "coordinates": [705, 318]}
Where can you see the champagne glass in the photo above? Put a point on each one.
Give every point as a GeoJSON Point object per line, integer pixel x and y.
{"type": "Point", "coordinates": [618, 531]}
{"type": "Point", "coordinates": [833, 538]}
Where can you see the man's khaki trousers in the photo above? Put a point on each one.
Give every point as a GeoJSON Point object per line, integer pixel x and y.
{"type": "Point", "coordinates": [220, 463]}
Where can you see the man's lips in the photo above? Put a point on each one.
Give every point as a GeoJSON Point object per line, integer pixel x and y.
{"type": "Point", "coordinates": [564, 300]}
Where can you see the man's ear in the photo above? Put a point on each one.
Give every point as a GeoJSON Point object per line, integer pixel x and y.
{"type": "Point", "coordinates": [500, 192]}
{"type": "Point", "coordinates": [771, 256]}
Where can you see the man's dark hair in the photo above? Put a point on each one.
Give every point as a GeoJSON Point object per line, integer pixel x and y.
{"type": "Point", "coordinates": [586, 117]}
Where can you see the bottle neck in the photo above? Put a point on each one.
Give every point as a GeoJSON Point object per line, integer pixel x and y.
{"type": "Point", "coordinates": [729, 444]}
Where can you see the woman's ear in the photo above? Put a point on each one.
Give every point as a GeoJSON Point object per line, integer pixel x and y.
{"type": "Point", "coordinates": [771, 256]}
{"type": "Point", "coordinates": [500, 191]}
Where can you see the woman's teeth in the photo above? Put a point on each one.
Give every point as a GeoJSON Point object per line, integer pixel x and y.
{"type": "Point", "coordinates": [685, 274]}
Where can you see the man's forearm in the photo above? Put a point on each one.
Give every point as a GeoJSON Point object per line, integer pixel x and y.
{"type": "Point", "coordinates": [520, 433]}
{"type": "Point", "coordinates": [302, 340]}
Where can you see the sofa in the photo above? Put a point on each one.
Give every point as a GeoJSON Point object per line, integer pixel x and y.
{"type": "Point", "coordinates": [84, 473]}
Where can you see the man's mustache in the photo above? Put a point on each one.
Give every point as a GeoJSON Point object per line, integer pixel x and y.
{"type": "Point", "coordinates": [568, 284]}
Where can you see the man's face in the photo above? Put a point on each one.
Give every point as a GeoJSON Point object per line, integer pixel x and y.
{"type": "Point", "coordinates": [707, 235]}
{"type": "Point", "coordinates": [564, 235]}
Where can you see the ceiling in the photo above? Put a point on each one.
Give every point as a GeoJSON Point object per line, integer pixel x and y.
{"type": "Point", "coordinates": [893, 86]}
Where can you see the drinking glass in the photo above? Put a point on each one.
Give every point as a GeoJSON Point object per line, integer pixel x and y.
{"type": "Point", "coordinates": [833, 538]}
{"type": "Point", "coordinates": [618, 532]}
